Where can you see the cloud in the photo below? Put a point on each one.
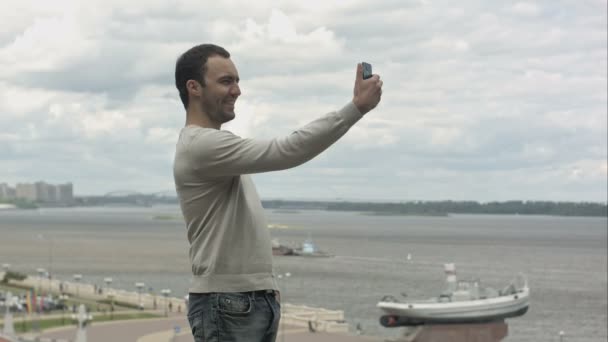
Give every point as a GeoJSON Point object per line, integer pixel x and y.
{"type": "Point", "coordinates": [481, 100]}
{"type": "Point", "coordinates": [526, 8]}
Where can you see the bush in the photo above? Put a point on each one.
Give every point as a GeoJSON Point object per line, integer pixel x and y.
{"type": "Point", "coordinates": [13, 275]}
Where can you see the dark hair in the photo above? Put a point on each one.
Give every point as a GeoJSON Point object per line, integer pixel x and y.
{"type": "Point", "coordinates": [192, 65]}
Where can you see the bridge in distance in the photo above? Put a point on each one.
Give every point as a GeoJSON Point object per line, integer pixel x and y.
{"type": "Point", "coordinates": [130, 197]}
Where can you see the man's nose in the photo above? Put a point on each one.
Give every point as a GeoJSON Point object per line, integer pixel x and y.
{"type": "Point", "coordinates": [235, 90]}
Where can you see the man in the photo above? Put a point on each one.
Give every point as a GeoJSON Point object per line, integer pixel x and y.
{"type": "Point", "coordinates": [234, 294]}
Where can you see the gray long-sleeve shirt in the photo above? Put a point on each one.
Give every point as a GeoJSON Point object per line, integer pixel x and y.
{"type": "Point", "coordinates": [230, 247]}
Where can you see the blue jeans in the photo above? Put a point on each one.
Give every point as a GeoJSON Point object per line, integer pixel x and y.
{"type": "Point", "coordinates": [234, 317]}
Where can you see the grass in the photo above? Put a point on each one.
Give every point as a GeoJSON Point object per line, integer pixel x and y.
{"type": "Point", "coordinates": [118, 304]}
{"type": "Point", "coordinates": [23, 325]}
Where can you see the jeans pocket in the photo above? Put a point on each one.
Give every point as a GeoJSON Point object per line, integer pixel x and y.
{"type": "Point", "coordinates": [196, 324]}
{"type": "Point", "coordinates": [235, 304]}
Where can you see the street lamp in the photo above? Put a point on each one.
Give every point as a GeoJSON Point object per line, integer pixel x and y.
{"type": "Point", "coordinates": [561, 336]}
{"type": "Point", "coordinates": [282, 324]}
{"type": "Point", "coordinates": [77, 278]}
{"type": "Point", "coordinates": [139, 286]}
{"type": "Point", "coordinates": [111, 297]}
{"type": "Point", "coordinates": [5, 267]}
{"type": "Point", "coordinates": [51, 242]}
{"type": "Point", "coordinates": [41, 272]}
{"type": "Point", "coordinates": [108, 282]}
{"type": "Point", "coordinates": [62, 299]}
{"type": "Point", "coordinates": [166, 293]}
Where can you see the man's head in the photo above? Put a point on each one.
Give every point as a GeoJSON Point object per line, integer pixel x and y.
{"type": "Point", "coordinates": [207, 80]}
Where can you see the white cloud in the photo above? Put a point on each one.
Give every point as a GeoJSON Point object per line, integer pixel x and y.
{"type": "Point", "coordinates": [526, 8]}
{"type": "Point", "coordinates": [111, 122]}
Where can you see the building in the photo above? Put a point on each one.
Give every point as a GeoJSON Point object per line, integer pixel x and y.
{"type": "Point", "coordinates": [65, 193]}
{"type": "Point", "coordinates": [26, 191]}
{"type": "Point", "coordinates": [42, 192]}
{"type": "Point", "coordinates": [39, 192]}
{"type": "Point", "coordinates": [6, 192]}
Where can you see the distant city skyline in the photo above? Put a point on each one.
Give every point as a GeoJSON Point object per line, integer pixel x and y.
{"type": "Point", "coordinates": [171, 192]}
{"type": "Point", "coordinates": [39, 191]}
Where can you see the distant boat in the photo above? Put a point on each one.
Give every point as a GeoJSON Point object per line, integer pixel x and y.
{"type": "Point", "coordinates": [462, 302]}
{"type": "Point", "coordinates": [280, 249]}
{"type": "Point", "coordinates": [309, 249]}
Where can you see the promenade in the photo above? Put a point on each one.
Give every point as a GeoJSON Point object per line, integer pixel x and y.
{"type": "Point", "coordinates": [329, 325]}
{"type": "Point", "coordinates": [163, 330]}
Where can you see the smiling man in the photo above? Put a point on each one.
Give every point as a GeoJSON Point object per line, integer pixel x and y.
{"type": "Point", "coordinates": [234, 295]}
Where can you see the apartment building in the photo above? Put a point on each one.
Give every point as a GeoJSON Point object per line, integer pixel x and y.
{"type": "Point", "coordinates": [38, 192]}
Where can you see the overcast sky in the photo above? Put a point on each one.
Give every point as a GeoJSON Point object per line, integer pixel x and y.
{"type": "Point", "coordinates": [482, 100]}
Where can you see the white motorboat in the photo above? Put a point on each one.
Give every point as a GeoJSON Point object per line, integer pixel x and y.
{"type": "Point", "coordinates": [461, 302]}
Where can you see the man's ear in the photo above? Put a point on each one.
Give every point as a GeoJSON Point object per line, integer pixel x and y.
{"type": "Point", "coordinates": [194, 87]}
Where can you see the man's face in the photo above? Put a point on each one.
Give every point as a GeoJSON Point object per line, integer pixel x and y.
{"type": "Point", "coordinates": [221, 89]}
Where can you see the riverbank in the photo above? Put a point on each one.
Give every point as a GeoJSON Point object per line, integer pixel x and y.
{"type": "Point", "coordinates": [295, 316]}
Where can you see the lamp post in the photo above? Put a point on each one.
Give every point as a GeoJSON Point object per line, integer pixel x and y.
{"type": "Point", "coordinates": [139, 286]}
{"type": "Point", "coordinates": [51, 242]}
{"type": "Point", "coordinates": [39, 304]}
{"type": "Point", "coordinates": [63, 299]}
{"type": "Point", "coordinates": [284, 283]}
{"type": "Point", "coordinates": [77, 278]}
{"type": "Point", "coordinates": [108, 282]}
{"type": "Point", "coordinates": [111, 297]}
{"type": "Point", "coordinates": [41, 272]}
{"type": "Point", "coordinates": [166, 293]}
{"type": "Point", "coordinates": [5, 267]}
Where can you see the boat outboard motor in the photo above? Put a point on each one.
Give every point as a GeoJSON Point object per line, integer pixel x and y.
{"type": "Point", "coordinates": [394, 321]}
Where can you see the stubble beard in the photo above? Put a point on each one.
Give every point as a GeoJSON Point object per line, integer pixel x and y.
{"type": "Point", "coordinates": [216, 113]}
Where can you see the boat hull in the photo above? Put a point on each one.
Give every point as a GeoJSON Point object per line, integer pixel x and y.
{"type": "Point", "coordinates": [474, 311]}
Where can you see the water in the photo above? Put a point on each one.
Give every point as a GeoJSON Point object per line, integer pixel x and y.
{"type": "Point", "coordinates": [565, 259]}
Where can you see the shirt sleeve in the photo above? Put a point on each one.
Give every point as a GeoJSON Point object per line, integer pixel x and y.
{"type": "Point", "coordinates": [221, 153]}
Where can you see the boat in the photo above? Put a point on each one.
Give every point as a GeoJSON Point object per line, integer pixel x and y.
{"type": "Point", "coordinates": [306, 249]}
{"type": "Point", "coordinates": [309, 249]}
{"type": "Point", "coordinates": [280, 249]}
{"type": "Point", "coordinates": [461, 302]}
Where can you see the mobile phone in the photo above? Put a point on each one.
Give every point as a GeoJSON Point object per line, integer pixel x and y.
{"type": "Point", "coordinates": [367, 70]}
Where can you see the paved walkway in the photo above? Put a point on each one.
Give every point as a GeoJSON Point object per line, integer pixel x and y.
{"type": "Point", "coordinates": [163, 329]}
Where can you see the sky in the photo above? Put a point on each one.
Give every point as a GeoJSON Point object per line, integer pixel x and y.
{"type": "Point", "coordinates": [482, 100]}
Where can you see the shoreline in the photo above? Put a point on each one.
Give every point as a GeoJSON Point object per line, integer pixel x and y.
{"type": "Point", "coordinates": [324, 320]}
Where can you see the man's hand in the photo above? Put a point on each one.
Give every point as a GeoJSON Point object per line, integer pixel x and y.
{"type": "Point", "coordinates": [367, 93]}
